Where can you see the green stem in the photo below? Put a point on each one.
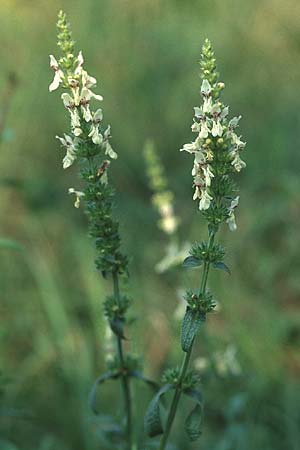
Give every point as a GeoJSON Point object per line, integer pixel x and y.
{"type": "Point", "coordinates": [125, 379]}
{"type": "Point", "coordinates": [185, 362]}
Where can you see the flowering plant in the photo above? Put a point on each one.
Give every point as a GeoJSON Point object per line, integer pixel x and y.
{"type": "Point", "coordinates": [88, 143]}
{"type": "Point", "coordinates": [216, 151]}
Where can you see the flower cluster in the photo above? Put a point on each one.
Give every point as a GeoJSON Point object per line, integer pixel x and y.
{"type": "Point", "coordinates": [202, 302]}
{"type": "Point", "coordinates": [204, 252]}
{"type": "Point", "coordinates": [217, 147]}
{"type": "Point", "coordinates": [172, 376]}
{"type": "Point", "coordinates": [89, 142]}
{"type": "Point", "coordinates": [86, 128]}
{"type": "Point", "coordinates": [162, 197]}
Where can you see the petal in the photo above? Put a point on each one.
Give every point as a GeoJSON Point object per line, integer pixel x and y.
{"type": "Point", "coordinates": [53, 63]}
{"type": "Point", "coordinates": [96, 96]}
{"type": "Point", "coordinates": [107, 132]}
{"type": "Point", "coordinates": [67, 100]}
{"type": "Point", "coordinates": [98, 116]}
{"type": "Point", "coordinates": [110, 152]}
{"type": "Point", "coordinates": [55, 83]}
{"type": "Point", "coordinates": [198, 112]}
{"type": "Point", "coordinates": [205, 87]}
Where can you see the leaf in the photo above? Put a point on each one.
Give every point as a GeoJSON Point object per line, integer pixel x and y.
{"type": "Point", "coordinates": [193, 421]}
{"type": "Point", "coordinates": [10, 244]}
{"type": "Point", "coordinates": [140, 376]}
{"type": "Point", "coordinates": [152, 421]}
{"type": "Point", "coordinates": [93, 394]}
{"type": "Point", "coordinates": [222, 266]}
{"type": "Point", "coordinates": [192, 261]}
{"type": "Point", "coordinates": [190, 327]}
{"type": "Point", "coordinates": [117, 326]}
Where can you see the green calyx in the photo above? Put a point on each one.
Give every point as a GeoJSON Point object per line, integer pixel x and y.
{"type": "Point", "coordinates": [198, 302]}
{"type": "Point", "coordinates": [116, 309]}
{"type": "Point", "coordinates": [172, 376]}
{"type": "Point", "coordinates": [102, 227]}
{"type": "Point", "coordinates": [130, 364]}
{"type": "Point", "coordinates": [206, 253]}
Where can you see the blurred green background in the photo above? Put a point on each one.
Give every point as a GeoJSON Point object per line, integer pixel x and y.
{"type": "Point", "coordinates": [144, 54]}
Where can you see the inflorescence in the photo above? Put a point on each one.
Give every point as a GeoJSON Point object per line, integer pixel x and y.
{"type": "Point", "coordinates": [216, 149]}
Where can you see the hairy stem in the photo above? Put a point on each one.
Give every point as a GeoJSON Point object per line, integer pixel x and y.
{"type": "Point", "coordinates": [185, 362]}
{"type": "Point", "coordinates": [125, 379]}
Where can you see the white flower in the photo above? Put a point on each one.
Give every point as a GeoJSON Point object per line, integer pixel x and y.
{"type": "Point", "coordinates": [86, 112]}
{"type": "Point", "coordinates": [83, 101]}
{"type": "Point", "coordinates": [107, 134]}
{"type": "Point", "coordinates": [68, 101]}
{"type": "Point", "coordinates": [205, 200]}
{"type": "Point", "coordinates": [190, 147]}
{"type": "Point", "coordinates": [207, 105]}
{"type": "Point", "coordinates": [208, 174]}
{"type": "Point", "coordinates": [216, 109]}
{"type": "Point", "coordinates": [69, 158]}
{"type": "Point", "coordinates": [204, 130]}
{"type": "Point", "coordinates": [233, 123]}
{"type": "Point", "coordinates": [224, 112]}
{"type": "Point", "coordinates": [95, 134]}
{"type": "Point", "coordinates": [70, 145]}
{"type": "Point", "coordinates": [231, 222]}
{"type": "Point", "coordinates": [197, 193]}
{"type": "Point", "coordinates": [80, 62]}
{"type": "Point", "coordinates": [85, 96]}
{"type": "Point", "coordinates": [110, 151]}
{"type": "Point", "coordinates": [75, 119]}
{"type": "Point", "coordinates": [169, 221]}
{"type": "Point", "coordinates": [217, 129]}
{"type": "Point", "coordinates": [236, 140]}
{"type": "Point", "coordinates": [58, 74]}
{"type": "Point", "coordinates": [98, 116]}
{"type": "Point", "coordinates": [231, 217]}
{"type": "Point", "coordinates": [196, 127]}
{"type": "Point", "coordinates": [237, 162]}
{"type": "Point", "coordinates": [198, 161]}
{"type": "Point", "coordinates": [205, 88]}
{"type": "Point", "coordinates": [78, 194]}
{"type": "Point", "coordinates": [89, 82]}
{"type": "Point", "coordinates": [198, 112]}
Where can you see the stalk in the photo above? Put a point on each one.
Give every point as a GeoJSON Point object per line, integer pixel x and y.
{"type": "Point", "coordinates": [185, 363]}
{"type": "Point", "coordinates": [125, 379]}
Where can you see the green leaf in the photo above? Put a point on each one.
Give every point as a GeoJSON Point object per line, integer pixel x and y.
{"type": "Point", "coordinates": [152, 421]}
{"type": "Point", "coordinates": [192, 261]}
{"type": "Point", "coordinates": [193, 421]}
{"type": "Point", "coordinates": [140, 376]}
{"type": "Point", "coordinates": [10, 244]}
{"type": "Point", "coordinates": [222, 266]}
{"type": "Point", "coordinates": [117, 326]}
{"type": "Point", "coordinates": [190, 327]}
{"type": "Point", "coordinates": [93, 394]}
